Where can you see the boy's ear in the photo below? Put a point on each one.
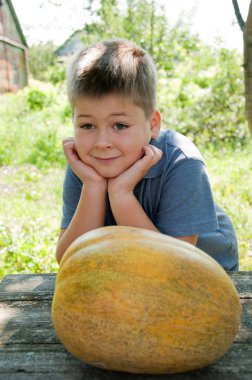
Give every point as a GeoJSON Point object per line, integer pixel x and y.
{"type": "Point", "coordinates": [155, 124]}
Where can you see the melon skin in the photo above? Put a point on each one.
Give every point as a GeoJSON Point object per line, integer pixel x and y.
{"type": "Point", "coordinates": [133, 300]}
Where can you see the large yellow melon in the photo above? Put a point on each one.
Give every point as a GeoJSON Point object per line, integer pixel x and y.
{"type": "Point", "coordinates": [133, 300]}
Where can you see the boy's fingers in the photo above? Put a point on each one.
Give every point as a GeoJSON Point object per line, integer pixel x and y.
{"type": "Point", "coordinates": [152, 154]}
{"type": "Point", "coordinates": [68, 145]}
{"type": "Point", "coordinates": [69, 149]}
{"type": "Point", "coordinates": [68, 140]}
{"type": "Point", "coordinates": [156, 150]}
{"type": "Point", "coordinates": [157, 154]}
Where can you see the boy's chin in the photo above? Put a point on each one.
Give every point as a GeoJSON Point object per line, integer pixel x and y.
{"type": "Point", "coordinates": [110, 174]}
{"type": "Point", "coordinates": [114, 172]}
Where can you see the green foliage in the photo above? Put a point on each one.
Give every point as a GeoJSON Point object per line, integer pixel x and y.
{"type": "Point", "coordinates": [200, 87]}
{"type": "Point", "coordinates": [200, 94]}
{"type": "Point", "coordinates": [204, 98]}
{"type": "Point", "coordinates": [41, 57]}
{"type": "Point", "coordinates": [46, 151]}
{"type": "Point", "coordinates": [30, 209]}
{"type": "Point", "coordinates": [32, 125]}
{"type": "Point", "coordinates": [57, 73]}
{"type": "Point", "coordinates": [145, 23]}
{"type": "Point", "coordinates": [43, 64]}
{"type": "Point", "coordinates": [66, 113]}
{"type": "Point", "coordinates": [38, 99]}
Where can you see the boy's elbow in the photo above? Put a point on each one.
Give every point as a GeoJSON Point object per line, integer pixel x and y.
{"type": "Point", "coordinates": [59, 249]}
{"type": "Point", "coordinates": [58, 254]}
{"type": "Point", "coordinates": [189, 239]}
{"type": "Point", "coordinates": [57, 258]}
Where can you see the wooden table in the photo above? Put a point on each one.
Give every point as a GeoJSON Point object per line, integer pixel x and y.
{"type": "Point", "coordinates": [29, 348]}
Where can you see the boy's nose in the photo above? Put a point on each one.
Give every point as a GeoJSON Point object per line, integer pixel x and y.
{"type": "Point", "coordinates": [103, 140]}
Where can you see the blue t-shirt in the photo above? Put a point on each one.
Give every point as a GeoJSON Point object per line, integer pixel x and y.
{"type": "Point", "coordinates": [176, 195]}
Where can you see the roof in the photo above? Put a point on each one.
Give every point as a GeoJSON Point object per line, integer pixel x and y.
{"type": "Point", "coordinates": [17, 22]}
{"type": "Point", "coordinates": [75, 40]}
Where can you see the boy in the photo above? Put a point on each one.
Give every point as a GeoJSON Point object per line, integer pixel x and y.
{"type": "Point", "coordinates": [123, 169]}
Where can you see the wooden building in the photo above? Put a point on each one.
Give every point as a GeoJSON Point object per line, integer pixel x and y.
{"type": "Point", "coordinates": [70, 47]}
{"type": "Point", "coordinates": [13, 50]}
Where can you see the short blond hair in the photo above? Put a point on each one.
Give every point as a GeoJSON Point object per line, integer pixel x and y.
{"type": "Point", "coordinates": [114, 66]}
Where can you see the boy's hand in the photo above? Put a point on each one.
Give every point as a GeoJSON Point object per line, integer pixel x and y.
{"type": "Point", "coordinates": [126, 181]}
{"type": "Point", "coordinates": [85, 172]}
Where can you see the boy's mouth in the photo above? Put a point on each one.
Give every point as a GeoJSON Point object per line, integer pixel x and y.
{"type": "Point", "coordinates": [105, 160]}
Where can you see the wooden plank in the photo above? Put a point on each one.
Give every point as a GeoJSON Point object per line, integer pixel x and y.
{"type": "Point", "coordinates": [26, 322]}
{"type": "Point", "coordinates": [118, 376]}
{"type": "Point", "coordinates": [27, 287]}
{"type": "Point", "coordinates": [53, 359]}
{"type": "Point", "coordinates": [41, 286]}
{"type": "Point", "coordinates": [30, 322]}
{"type": "Point", "coordinates": [11, 42]}
{"type": "Point", "coordinates": [245, 329]}
{"type": "Point", "coordinates": [89, 375]}
{"type": "Point", "coordinates": [24, 282]}
{"type": "Point", "coordinates": [31, 350]}
{"type": "Point", "coordinates": [243, 283]}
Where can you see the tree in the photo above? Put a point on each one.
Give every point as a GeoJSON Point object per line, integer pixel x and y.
{"type": "Point", "coordinates": [246, 28]}
{"type": "Point", "coordinates": [144, 22]}
{"type": "Point", "coordinates": [200, 88]}
{"type": "Point", "coordinates": [41, 57]}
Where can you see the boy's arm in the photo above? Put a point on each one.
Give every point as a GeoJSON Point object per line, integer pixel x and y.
{"type": "Point", "coordinates": [90, 211]}
{"type": "Point", "coordinates": [128, 211]}
{"type": "Point", "coordinates": [90, 214]}
{"type": "Point", "coordinates": [126, 208]}
{"type": "Point", "coordinates": [189, 239]}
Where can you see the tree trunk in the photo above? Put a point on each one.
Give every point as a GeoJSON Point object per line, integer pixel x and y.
{"type": "Point", "coordinates": [247, 40]}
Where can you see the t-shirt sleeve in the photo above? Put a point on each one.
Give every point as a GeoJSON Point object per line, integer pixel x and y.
{"type": "Point", "coordinates": [186, 204]}
{"type": "Point", "coordinates": [71, 194]}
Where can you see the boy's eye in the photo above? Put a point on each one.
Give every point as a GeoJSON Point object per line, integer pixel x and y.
{"type": "Point", "coordinates": [87, 126]}
{"type": "Point", "coordinates": [120, 127]}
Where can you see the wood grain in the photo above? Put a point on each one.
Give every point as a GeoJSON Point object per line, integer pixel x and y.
{"type": "Point", "coordinates": [30, 349]}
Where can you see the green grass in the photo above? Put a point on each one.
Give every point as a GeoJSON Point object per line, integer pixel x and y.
{"type": "Point", "coordinates": [231, 174]}
{"type": "Point", "coordinates": [32, 170]}
{"type": "Point", "coordinates": [30, 209]}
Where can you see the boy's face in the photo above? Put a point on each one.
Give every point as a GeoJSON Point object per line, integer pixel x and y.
{"type": "Point", "coordinates": [110, 133]}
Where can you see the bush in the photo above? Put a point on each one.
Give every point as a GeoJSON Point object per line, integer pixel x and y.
{"type": "Point", "coordinates": [41, 57]}
{"type": "Point", "coordinates": [32, 125]}
{"type": "Point", "coordinates": [38, 99]}
{"type": "Point", "coordinates": [57, 73]}
{"type": "Point", "coordinates": [46, 150]}
{"type": "Point", "coordinates": [205, 98]}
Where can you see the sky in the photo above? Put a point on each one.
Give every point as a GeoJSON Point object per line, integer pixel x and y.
{"type": "Point", "coordinates": [211, 19]}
